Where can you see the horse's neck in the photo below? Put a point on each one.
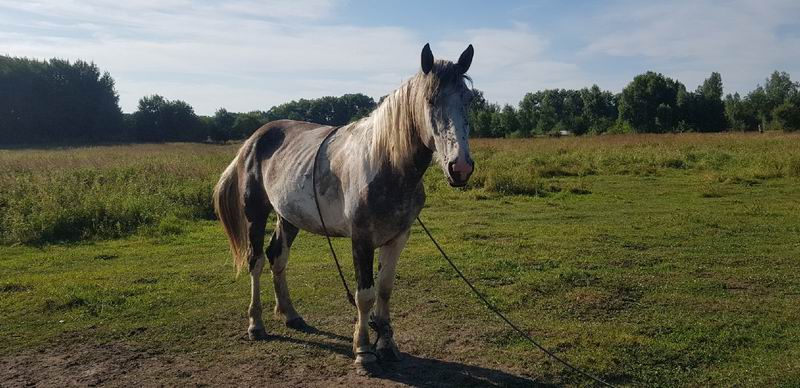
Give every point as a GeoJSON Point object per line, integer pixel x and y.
{"type": "Point", "coordinates": [414, 160]}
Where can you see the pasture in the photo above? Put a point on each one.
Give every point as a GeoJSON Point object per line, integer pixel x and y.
{"type": "Point", "coordinates": [648, 260]}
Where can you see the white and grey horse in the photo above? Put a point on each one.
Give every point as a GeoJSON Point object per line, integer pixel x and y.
{"type": "Point", "coordinates": [369, 186]}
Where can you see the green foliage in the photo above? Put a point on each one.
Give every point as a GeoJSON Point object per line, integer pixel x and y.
{"type": "Point", "coordinates": [104, 192]}
{"type": "Point", "coordinates": [325, 110]}
{"type": "Point", "coordinates": [772, 106]}
{"type": "Point", "coordinates": [546, 112]}
{"type": "Point", "coordinates": [787, 116]}
{"type": "Point", "coordinates": [221, 126]}
{"type": "Point", "coordinates": [57, 101]}
{"type": "Point", "coordinates": [507, 121]}
{"type": "Point", "coordinates": [246, 123]}
{"type": "Point", "coordinates": [650, 103]}
{"type": "Point", "coordinates": [159, 119]}
{"type": "Point", "coordinates": [741, 113]}
{"type": "Point", "coordinates": [704, 110]}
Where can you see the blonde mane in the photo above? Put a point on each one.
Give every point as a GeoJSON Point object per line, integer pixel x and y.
{"type": "Point", "coordinates": [401, 121]}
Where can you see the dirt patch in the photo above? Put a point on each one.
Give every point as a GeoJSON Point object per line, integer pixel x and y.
{"type": "Point", "coordinates": [121, 364]}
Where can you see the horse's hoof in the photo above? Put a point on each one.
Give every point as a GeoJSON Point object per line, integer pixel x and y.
{"type": "Point", "coordinates": [258, 334]}
{"type": "Point", "coordinates": [389, 353]}
{"type": "Point", "coordinates": [367, 365]}
{"type": "Point", "coordinates": [297, 324]}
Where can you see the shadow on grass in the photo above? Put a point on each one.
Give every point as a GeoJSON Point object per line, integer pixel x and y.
{"type": "Point", "coordinates": [418, 371]}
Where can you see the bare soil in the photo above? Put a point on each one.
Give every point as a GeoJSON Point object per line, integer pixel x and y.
{"type": "Point", "coordinates": [73, 363]}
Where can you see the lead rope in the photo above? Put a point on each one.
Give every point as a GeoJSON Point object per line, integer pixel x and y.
{"type": "Point", "coordinates": [383, 329]}
{"type": "Point", "coordinates": [497, 312]}
{"type": "Point", "coordinates": [322, 220]}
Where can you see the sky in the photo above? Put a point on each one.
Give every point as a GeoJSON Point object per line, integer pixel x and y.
{"type": "Point", "coordinates": [251, 55]}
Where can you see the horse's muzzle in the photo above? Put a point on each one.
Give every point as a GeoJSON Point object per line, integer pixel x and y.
{"type": "Point", "coordinates": [459, 171]}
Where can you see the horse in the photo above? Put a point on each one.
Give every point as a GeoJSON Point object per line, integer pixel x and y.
{"type": "Point", "coordinates": [369, 188]}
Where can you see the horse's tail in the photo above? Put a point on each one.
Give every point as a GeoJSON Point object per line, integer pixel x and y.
{"type": "Point", "coordinates": [229, 206]}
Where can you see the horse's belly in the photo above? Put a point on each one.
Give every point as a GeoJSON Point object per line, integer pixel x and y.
{"type": "Point", "coordinates": [294, 201]}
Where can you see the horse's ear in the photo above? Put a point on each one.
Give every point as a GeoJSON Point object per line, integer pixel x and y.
{"type": "Point", "coordinates": [427, 59]}
{"type": "Point", "coordinates": [465, 59]}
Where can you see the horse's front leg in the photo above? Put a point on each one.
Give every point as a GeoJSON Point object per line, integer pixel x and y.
{"type": "Point", "coordinates": [363, 259]}
{"type": "Point", "coordinates": [387, 265]}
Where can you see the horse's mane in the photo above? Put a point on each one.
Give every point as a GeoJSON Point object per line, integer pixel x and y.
{"type": "Point", "coordinates": [400, 121]}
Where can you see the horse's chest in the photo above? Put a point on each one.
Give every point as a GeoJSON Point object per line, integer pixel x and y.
{"type": "Point", "coordinates": [389, 207]}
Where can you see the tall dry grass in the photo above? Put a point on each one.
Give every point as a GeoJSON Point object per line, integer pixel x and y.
{"type": "Point", "coordinates": [69, 194]}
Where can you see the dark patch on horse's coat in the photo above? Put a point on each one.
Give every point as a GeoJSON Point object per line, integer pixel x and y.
{"type": "Point", "coordinates": [328, 185]}
{"type": "Point", "coordinates": [363, 258]}
{"type": "Point", "coordinates": [284, 231]}
{"type": "Point", "coordinates": [392, 201]}
{"type": "Point", "coordinates": [256, 204]}
{"type": "Point", "coordinates": [270, 140]}
{"type": "Point", "coordinates": [256, 210]}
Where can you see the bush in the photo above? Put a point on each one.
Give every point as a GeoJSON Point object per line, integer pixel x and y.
{"type": "Point", "coordinates": [47, 200]}
{"type": "Point", "coordinates": [787, 116]}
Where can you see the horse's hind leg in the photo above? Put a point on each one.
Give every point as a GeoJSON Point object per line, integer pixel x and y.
{"type": "Point", "coordinates": [256, 210]}
{"type": "Point", "coordinates": [278, 255]}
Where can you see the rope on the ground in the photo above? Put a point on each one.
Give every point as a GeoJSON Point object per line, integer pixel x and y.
{"type": "Point", "coordinates": [497, 312]}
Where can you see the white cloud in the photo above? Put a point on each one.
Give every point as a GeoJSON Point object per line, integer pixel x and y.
{"type": "Point", "coordinates": [689, 39]}
{"type": "Point", "coordinates": [511, 62]}
{"type": "Point", "coordinates": [247, 54]}
{"type": "Point", "coordinates": [152, 47]}
{"type": "Point", "coordinates": [242, 56]}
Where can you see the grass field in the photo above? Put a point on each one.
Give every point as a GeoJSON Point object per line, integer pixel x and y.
{"type": "Point", "coordinates": [649, 260]}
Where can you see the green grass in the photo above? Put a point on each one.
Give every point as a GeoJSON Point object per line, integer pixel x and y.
{"type": "Point", "coordinates": [648, 260]}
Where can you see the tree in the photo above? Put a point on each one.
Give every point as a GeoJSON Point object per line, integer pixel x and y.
{"type": "Point", "coordinates": [787, 116]}
{"type": "Point", "coordinates": [740, 113]}
{"type": "Point", "coordinates": [325, 110]}
{"type": "Point", "coordinates": [479, 114]}
{"type": "Point", "coordinates": [599, 109]}
{"type": "Point", "coordinates": [221, 128]}
{"type": "Point", "coordinates": [57, 101]}
{"type": "Point", "coordinates": [508, 123]}
{"type": "Point", "coordinates": [703, 110]}
{"type": "Point", "coordinates": [158, 119]}
{"type": "Point", "coordinates": [650, 103]}
{"type": "Point", "coordinates": [247, 123]}
{"type": "Point", "coordinates": [712, 118]}
{"type": "Point", "coordinates": [778, 89]}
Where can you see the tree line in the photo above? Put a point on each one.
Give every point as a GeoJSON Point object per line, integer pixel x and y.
{"type": "Point", "coordinates": [650, 103]}
{"type": "Point", "coordinates": [55, 100]}
{"type": "Point", "coordinates": [58, 101]}
{"type": "Point", "coordinates": [159, 119]}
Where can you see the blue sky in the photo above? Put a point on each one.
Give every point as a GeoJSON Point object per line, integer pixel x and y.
{"type": "Point", "coordinates": [247, 55]}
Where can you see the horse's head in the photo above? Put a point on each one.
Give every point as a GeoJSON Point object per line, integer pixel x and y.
{"type": "Point", "coordinates": [447, 98]}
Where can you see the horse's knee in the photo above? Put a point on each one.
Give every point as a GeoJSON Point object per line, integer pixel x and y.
{"type": "Point", "coordinates": [256, 264]}
{"type": "Point", "coordinates": [275, 251]}
{"type": "Point", "coordinates": [384, 293]}
{"type": "Point", "coordinates": [365, 298]}
{"type": "Point", "coordinates": [279, 244]}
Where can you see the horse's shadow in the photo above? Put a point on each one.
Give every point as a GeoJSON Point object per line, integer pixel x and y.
{"type": "Point", "coordinates": [417, 371]}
